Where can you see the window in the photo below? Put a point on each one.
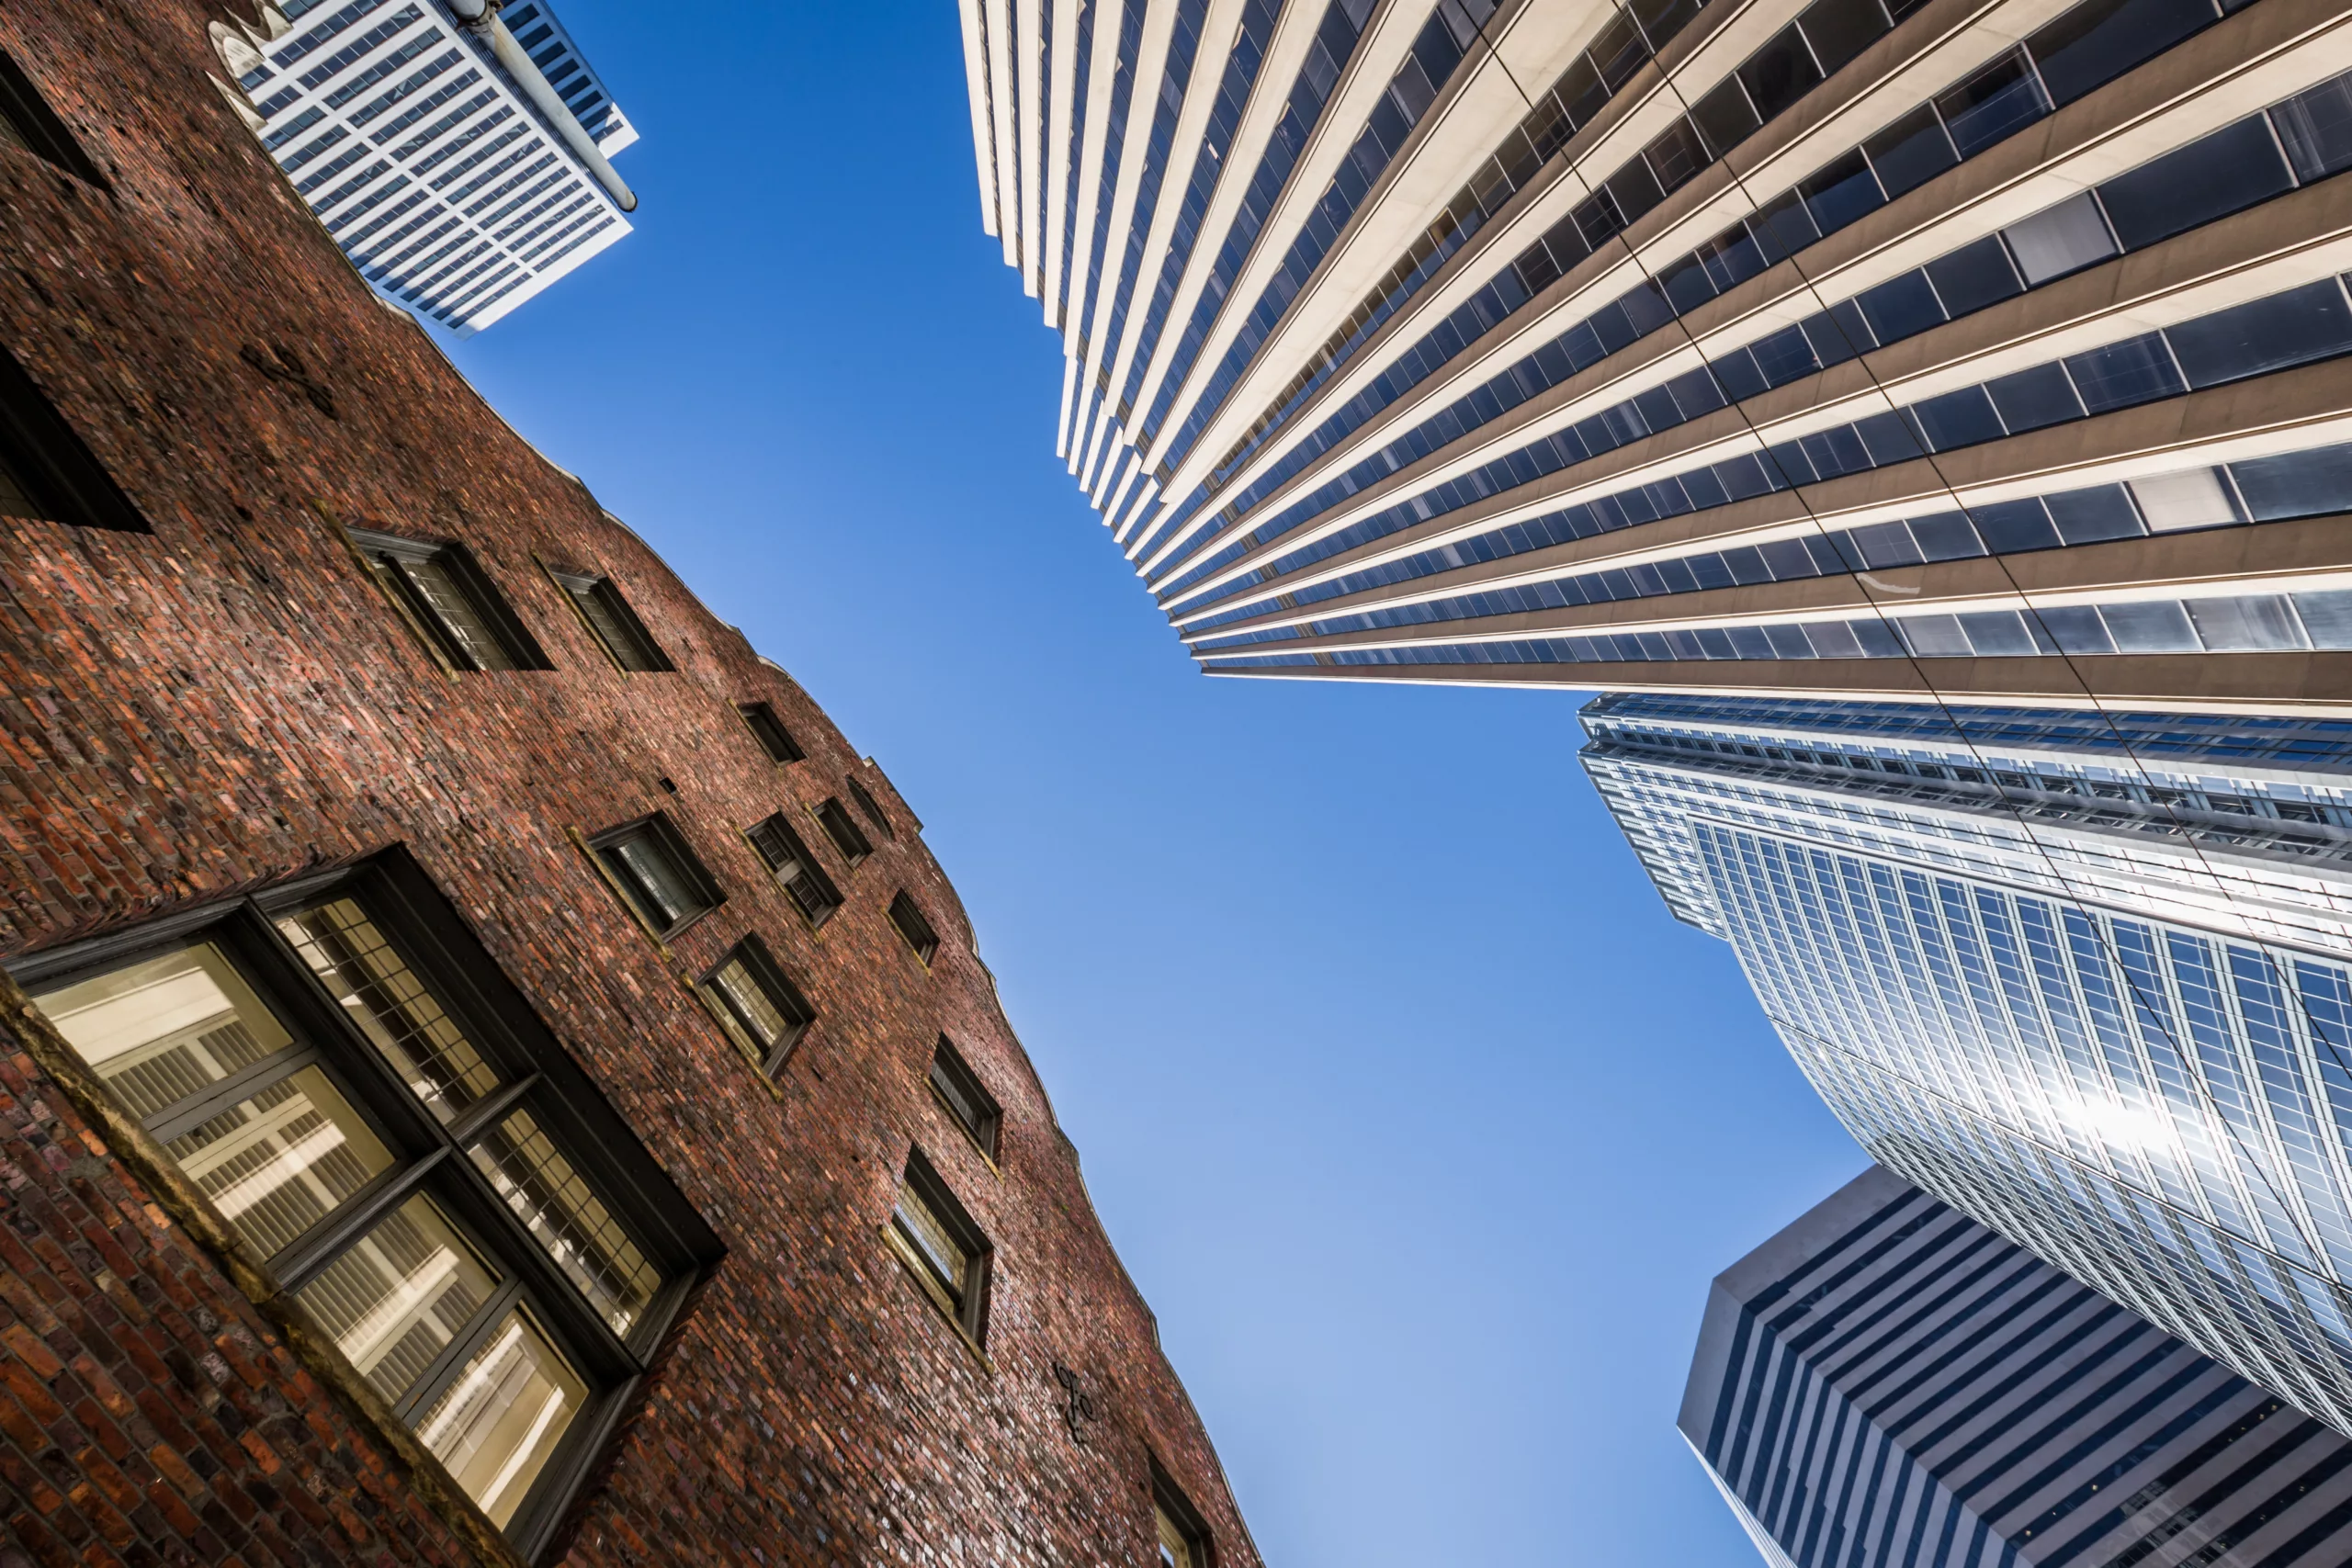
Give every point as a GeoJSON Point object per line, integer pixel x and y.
{"type": "Point", "coordinates": [664, 884]}
{"type": "Point", "coordinates": [1183, 1540]}
{"type": "Point", "coordinates": [939, 1242]}
{"type": "Point", "coordinates": [436, 1184]}
{"type": "Point", "coordinates": [761, 1010]}
{"type": "Point", "coordinates": [959, 1089]}
{"type": "Point", "coordinates": [448, 599]}
{"type": "Point", "coordinates": [796, 869]}
{"type": "Point", "coordinates": [872, 807]}
{"type": "Point", "coordinates": [773, 738]}
{"type": "Point", "coordinates": [46, 473]}
{"type": "Point", "coordinates": [913, 927]}
{"type": "Point", "coordinates": [29, 125]}
{"type": "Point", "coordinates": [615, 625]}
{"type": "Point", "coordinates": [845, 832]}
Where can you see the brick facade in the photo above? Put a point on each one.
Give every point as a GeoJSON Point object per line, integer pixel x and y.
{"type": "Point", "coordinates": [229, 699]}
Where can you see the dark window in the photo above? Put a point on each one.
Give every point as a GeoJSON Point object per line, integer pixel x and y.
{"type": "Point", "coordinates": [659, 875]}
{"type": "Point", "coordinates": [2009, 527]}
{"type": "Point", "coordinates": [796, 869]}
{"type": "Point", "coordinates": [1973, 276]}
{"type": "Point", "coordinates": [2003, 96]}
{"type": "Point", "coordinates": [1779, 73]}
{"type": "Point", "coordinates": [46, 472]}
{"type": "Point", "coordinates": [2136, 370]}
{"type": "Point", "coordinates": [2316, 125]}
{"type": "Point", "coordinates": [939, 1241]}
{"type": "Point", "coordinates": [1840, 30]}
{"type": "Point", "coordinates": [615, 626]}
{"type": "Point", "coordinates": [2261, 335]}
{"type": "Point", "coordinates": [1183, 1539]}
{"type": "Point", "coordinates": [872, 807]}
{"type": "Point", "coordinates": [1956, 419]}
{"type": "Point", "coordinates": [1911, 152]}
{"type": "Point", "coordinates": [913, 927]}
{"type": "Point", "coordinates": [2296, 484]}
{"type": "Point", "coordinates": [2031, 399]}
{"type": "Point", "coordinates": [761, 1011]}
{"type": "Point", "coordinates": [773, 738]}
{"type": "Point", "coordinates": [346, 1076]}
{"type": "Point", "coordinates": [27, 123]}
{"type": "Point", "coordinates": [844, 832]}
{"type": "Point", "coordinates": [1724, 117]}
{"type": "Point", "coordinates": [1901, 307]}
{"type": "Point", "coordinates": [2101, 511]}
{"type": "Point", "coordinates": [2096, 42]}
{"type": "Point", "coordinates": [446, 596]}
{"type": "Point", "coordinates": [1841, 191]}
{"type": "Point", "coordinates": [2211, 177]}
{"type": "Point", "coordinates": [960, 1090]}
{"type": "Point", "coordinates": [1677, 155]}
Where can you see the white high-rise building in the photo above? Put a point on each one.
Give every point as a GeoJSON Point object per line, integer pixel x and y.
{"type": "Point", "coordinates": [458, 152]}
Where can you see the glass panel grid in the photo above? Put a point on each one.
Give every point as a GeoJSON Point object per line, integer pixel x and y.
{"type": "Point", "coordinates": [568, 1220]}
{"type": "Point", "coordinates": [388, 1003]}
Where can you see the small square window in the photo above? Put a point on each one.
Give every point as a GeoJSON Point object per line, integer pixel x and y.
{"type": "Point", "coordinates": [663, 881]}
{"type": "Point", "coordinates": [948, 1252]}
{"type": "Point", "coordinates": [761, 1010]}
{"type": "Point", "coordinates": [773, 738]}
{"type": "Point", "coordinates": [959, 1089]}
{"type": "Point", "coordinates": [446, 596]}
{"type": "Point", "coordinates": [913, 927]}
{"type": "Point", "coordinates": [873, 810]}
{"type": "Point", "coordinates": [796, 869]}
{"type": "Point", "coordinates": [1183, 1539]}
{"type": "Point", "coordinates": [845, 832]}
{"type": "Point", "coordinates": [614, 624]}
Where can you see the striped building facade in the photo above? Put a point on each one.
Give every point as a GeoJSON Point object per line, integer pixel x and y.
{"type": "Point", "coordinates": [1888, 1385]}
{"type": "Point", "coordinates": [1869, 347]}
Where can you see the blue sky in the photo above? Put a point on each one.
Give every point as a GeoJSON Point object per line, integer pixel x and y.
{"type": "Point", "coordinates": [1419, 1122]}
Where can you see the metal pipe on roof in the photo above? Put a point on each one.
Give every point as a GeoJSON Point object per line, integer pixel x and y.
{"type": "Point", "coordinates": [480, 17]}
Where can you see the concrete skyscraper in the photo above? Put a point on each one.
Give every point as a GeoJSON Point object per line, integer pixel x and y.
{"type": "Point", "coordinates": [2086, 977]}
{"type": "Point", "coordinates": [458, 152]}
{"type": "Point", "coordinates": [1887, 1382]}
{"type": "Point", "coordinates": [1869, 347]}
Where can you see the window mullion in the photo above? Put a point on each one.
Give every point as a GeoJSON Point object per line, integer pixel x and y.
{"type": "Point", "coordinates": [487, 1113]}
{"type": "Point", "coordinates": [302, 1258]}
{"type": "Point", "coordinates": [456, 1354]}
{"type": "Point", "coordinates": [219, 1097]}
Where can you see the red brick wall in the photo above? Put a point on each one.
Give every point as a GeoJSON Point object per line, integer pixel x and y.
{"type": "Point", "coordinates": [228, 701]}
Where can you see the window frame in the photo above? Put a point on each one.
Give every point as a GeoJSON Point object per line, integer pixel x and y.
{"type": "Point", "coordinates": [848, 838]}
{"type": "Point", "coordinates": [1169, 1501]}
{"type": "Point", "coordinates": [430, 1156]}
{"type": "Point", "coordinates": [498, 616]}
{"type": "Point", "coordinates": [964, 1304]}
{"type": "Point", "coordinates": [753, 715]}
{"type": "Point", "coordinates": [803, 857]}
{"type": "Point", "coordinates": [656, 826]}
{"type": "Point", "coordinates": [986, 1134]}
{"type": "Point", "coordinates": [787, 998]}
{"type": "Point", "coordinates": [60, 474]}
{"type": "Point", "coordinates": [924, 948]}
{"type": "Point", "coordinates": [871, 806]}
{"type": "Point", "coordinates": [578, 587]}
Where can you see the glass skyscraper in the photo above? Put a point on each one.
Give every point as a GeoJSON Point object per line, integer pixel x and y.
{"type": "Point", "coordinates": [452, 187]}
{"type": "Point", "coordinates": [1847, 348]}
{"type": "Point", "coordinates": [2086, 977]}
{"type": "Point", "coordinates": [1888, 1385]}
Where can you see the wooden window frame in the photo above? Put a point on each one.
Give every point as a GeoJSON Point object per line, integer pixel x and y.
{"type": "Point", "coordinates": [578, 586]}
{"type": "Point", "coordinates": [842, 829]}
{"type": "Point", "coordinates": [1169, 1498]}
{"type": "Point", "coordinates": [830, 893]}
{"type": "Point", "coordinates": [781, 993]}
{"type": "Point", "coordinates": [497, 615]}
{"type": "Point", "coordinates": [903, 911]}
{"type": "Point", "coordinates": [535, 1074]}
{"type": "Point", "coordinates": [966, 1304]}
{"type": "Point", "coordinates": [986, 1132]}
{"type": "Point", "coordinates": [657, 827]}
{"type": "Point", "coordinates": [776, 739]}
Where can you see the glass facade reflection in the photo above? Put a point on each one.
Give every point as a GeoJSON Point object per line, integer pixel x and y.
{"type": "Point", "coordinates": [2089, 981]}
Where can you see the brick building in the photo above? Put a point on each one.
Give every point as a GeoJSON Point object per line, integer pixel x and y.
{"type": "Point", "coordinates": [490, 1074]}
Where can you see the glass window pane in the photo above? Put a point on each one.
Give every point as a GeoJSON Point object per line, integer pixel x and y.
{"type": "Point", "coordinates": [1779, 73]}
{"type": "Point", "coordinates": [656, 883]}
{"type": "Point", "coordinates": [2100, 512]}
{"type": "Point", "coordinates": [384, 998]}
{"type": "Point", "coordinates": [1911, 152]}
{"type": "Point", "coordinates": [2031, 399]}
{"type": "Point", "coordinates": [1973, 276]}
{"type": "Point", "coordinates": [2093, 43]}
{"type": "Point", "coordinates": [2296, 484]}
{"type": "Point", "coordinates": [2316, 125]}
{"type": "Point", "coordinates": [746, 1000]}
{"type": "Point", "coordinates": [1957, 419]}
{"type": "Point", "coordinates": [2059, 240]}
{"type": "Point", "coordinates": [399, 1295]}
{"type": "Point", "coordinates": [568, 1220]}
{"type": "Point", "coordinates": [162, 1030]}
{"type": "Point", "coordinates": [496, 1426]}
{"type": "Point", "coordinates": [2194, 498]}
{"type": "Point", "coordinates": [2003, 96]}
{"type": "Point", "coordinates": [1840, 30]}
{"type": "Point", "coordinates": [2133, 371]}
{"type": "Point", "coordinates": [279, 1163]}
{"type": "Point", "coordinates": [932, 1239]}
{"type": "Point", "coordinates": [1175, 1549]}
{"type": "Point", "coordinates": [2155, 626]}
{"type": "Point", "coordinates": [1901, 307]}
{"type": "Point", "coordinates": [438, 585]}
{"type": "Point", "coordinates": [2257, 623]}
{"type": "Point", "coordinates": [2232, 168]}
{"type": "Point", "coordinates": [2261, 335]}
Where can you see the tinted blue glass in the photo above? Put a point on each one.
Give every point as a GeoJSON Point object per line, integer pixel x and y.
{"type": "Point", "coordinates": [2087, 516]}
{"type": "Point", "coordinates": [1910, 151]}
{"type": "Point", "coordinates": [1947, 535]}
{"type": "Point", "coordinates": [1778, 74]}
{"type": "Point", "coordinates": [1901, 307]}
{"type": "Point", "coordinates": [1841, 192]}
{"type": "Point", "coordinates": [1885, 544]}
{"type": "Point", "coordinates": [1974, 276]}
{"type": "Point", "coordinates": [1832, 345]}
{"type": "Point", "coordinates": [2098, 41]}
{"type": "Point", "coordinates": [1957, 419]}
{"type": "Point", "coordinates": [2078, 631]}
{"type": "Point", "coordinates": [2213, 177]}
{"type": "Point", "coordinates": [1889, 438]}
{"type": "Point", "coordinates": [1687, 284]}
{"type": "Point", "coordinates": [2316, 125]}
{"type": "Point", "coordinates": [2031, 399]}
{"type": "Point", "coordinates": [2009, 527]}
{"type": "Point", "coordinates": [1740, 375]}
{"type": "Point", "coordinates": [1695, 394]}
{"type": "Point", "coordinates": [1784, 226]}
{"type": "Point", "coordinates": [1783, 357]}
{"type": "Point", "coordinates": [1999, 99]}
{"type": "Point", "coordinates": [2296, 484]}
{"type": "Point", "coordinates": [2136, 370]}
{"type": "Point", "coordinates": [1836, 452]}
{"type": "Point", "coordinates": [2299, 325]}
